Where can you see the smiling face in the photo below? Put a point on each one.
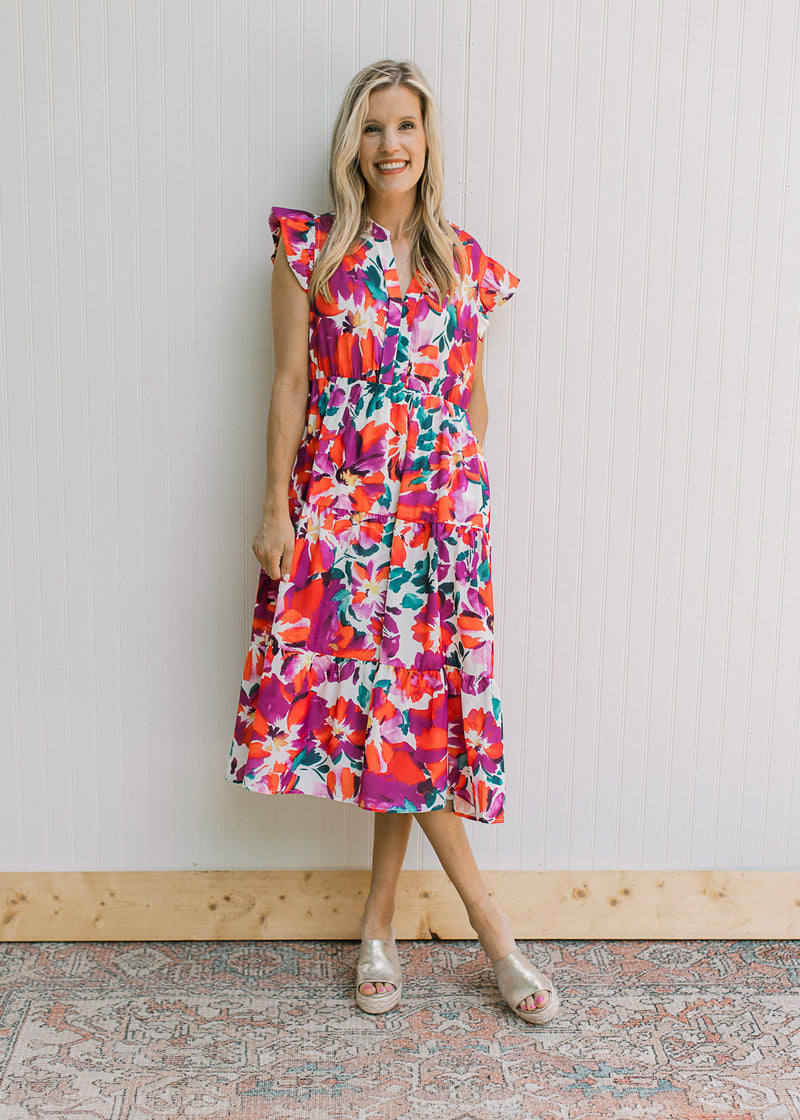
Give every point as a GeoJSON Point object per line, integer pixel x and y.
{"type": "Point", "coordinates": [391, 154]}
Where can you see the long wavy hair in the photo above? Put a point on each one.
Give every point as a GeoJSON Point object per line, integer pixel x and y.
{"type": "Point", "coordinates": [433, 240]}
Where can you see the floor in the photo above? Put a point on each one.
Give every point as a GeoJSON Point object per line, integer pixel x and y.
{"type": "Point", "coordinates": [246, 1030]}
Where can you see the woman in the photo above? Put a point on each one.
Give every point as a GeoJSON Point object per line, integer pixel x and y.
{"type": "Point", "coordinates": [370, 673]}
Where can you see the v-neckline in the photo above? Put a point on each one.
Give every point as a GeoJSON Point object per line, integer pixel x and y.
{"type": "Point", "coordinates": [392, 277]}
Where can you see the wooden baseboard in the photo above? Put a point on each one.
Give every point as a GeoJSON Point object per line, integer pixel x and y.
{"type": "Point", "coordinates": [320, 905]}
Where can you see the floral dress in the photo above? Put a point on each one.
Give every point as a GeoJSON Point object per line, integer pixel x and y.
{"type": "Point", "coordinates": [370, 676]}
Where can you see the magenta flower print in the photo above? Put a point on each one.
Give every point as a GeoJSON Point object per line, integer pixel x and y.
{"type": "Point", "coordinates": [370, 673]}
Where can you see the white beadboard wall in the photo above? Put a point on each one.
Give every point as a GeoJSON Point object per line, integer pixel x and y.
{"type": "Point", "coordinates": [637, 163]}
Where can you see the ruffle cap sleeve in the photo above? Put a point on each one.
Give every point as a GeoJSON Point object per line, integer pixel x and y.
{"type": "Point", "coordinates": [298, 231]}
{"type": "Point", "coordinates": [495, 284]}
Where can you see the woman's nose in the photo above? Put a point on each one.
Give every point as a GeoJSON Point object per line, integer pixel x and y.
{"type": "Point", "coordinates": [390, 140]}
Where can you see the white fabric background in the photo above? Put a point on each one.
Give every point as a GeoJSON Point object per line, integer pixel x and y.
{"type": "Point", "coordinates": [637, 164]}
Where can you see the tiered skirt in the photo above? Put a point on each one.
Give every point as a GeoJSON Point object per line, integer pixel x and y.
{"type": "Point", "coordinates": [370, 675]}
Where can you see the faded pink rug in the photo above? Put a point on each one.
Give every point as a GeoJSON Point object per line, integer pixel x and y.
{"type": "Point", "coordinates": [246, 1030]}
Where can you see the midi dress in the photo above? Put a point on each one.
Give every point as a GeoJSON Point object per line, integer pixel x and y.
{"type": "Point", "coordinates": [370, 675]}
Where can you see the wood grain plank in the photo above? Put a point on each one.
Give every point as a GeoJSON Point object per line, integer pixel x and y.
{"type": "Point", "coordinates": [326, 905]}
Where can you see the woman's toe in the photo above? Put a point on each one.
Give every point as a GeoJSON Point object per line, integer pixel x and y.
{"type": "Point", "coordinates": [378, 987]}
{"type": "Point", "coordinates": [534, 1003]}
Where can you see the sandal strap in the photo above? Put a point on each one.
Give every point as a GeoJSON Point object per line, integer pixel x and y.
{"type": "Point", "coordinates": [517, 978]}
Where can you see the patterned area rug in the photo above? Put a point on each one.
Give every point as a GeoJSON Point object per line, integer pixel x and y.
{"type": "Point", "coordinates": [244, 1031]}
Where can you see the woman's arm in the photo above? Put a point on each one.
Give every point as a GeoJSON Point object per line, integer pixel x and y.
{"type": "Point", "coordinates": [478, 407]}
{"type": "Point", "coordinates": [273, 544]}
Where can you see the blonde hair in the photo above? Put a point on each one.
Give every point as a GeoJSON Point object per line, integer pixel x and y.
{"type": "Point", "coordinates": [433, 239]}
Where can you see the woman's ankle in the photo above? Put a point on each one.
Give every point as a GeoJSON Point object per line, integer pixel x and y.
{"type": "Point", "coordinates": [376, 918]}
{"type": "Point", "coordinates": [481, 910]}
{"type": "Point", "coordinates": [493, 928]}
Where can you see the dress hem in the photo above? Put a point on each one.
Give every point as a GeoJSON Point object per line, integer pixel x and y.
{"type": "Point", "coordinates": [326, 795]}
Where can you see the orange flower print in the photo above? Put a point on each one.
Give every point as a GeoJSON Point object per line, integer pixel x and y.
{"type": "Point", "coordinates": [369, 676]}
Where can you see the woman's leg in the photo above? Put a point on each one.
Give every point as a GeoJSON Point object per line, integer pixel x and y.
{"type": "Point", "coordinates": [448, 837]}
{"type": "Point", "coordinates": [390, 841]}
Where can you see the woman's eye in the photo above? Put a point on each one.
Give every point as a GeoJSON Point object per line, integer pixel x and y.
{"type": "Point", "coordinates": [404, 125]}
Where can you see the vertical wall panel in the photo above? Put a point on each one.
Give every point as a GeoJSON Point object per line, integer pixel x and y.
{"type": "Point", "coordinates": [95, 714]}
{"type": "Point", "coordinates": [16, 524]}
{"type": "Point", "coordinates": [636, 165]}
{"type": "Point", "coordinates": [520, 577]}
{"type": "Point", "coordinates": [194, 658]}
{"type": "Point", "coordinates": [127, 732]}
{"type": "Point", "coordinates": [43, 609]}
{"type": "Point", "coordinates": [246, 834]}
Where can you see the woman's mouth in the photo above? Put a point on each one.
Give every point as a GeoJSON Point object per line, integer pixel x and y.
{"type": "Point", "coordinates": [392, 167]}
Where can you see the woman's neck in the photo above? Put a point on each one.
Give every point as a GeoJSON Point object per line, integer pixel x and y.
{"type": "Point", "coordinates": [393, 214]}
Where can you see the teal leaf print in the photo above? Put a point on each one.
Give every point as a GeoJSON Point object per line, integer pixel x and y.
{"type": "Point", "coordinates": [391, 596]}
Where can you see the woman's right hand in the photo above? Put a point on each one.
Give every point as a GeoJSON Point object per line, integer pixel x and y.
{"type": "Point", "coordinates": [273, 544]}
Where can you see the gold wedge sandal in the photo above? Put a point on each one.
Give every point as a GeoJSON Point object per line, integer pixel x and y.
{"type": "Point", "coordinates": [378, 960]}
{"type": "Point", "coordinates": [517, 978]}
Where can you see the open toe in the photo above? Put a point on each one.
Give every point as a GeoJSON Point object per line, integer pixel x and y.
{"type": "Point", "coordinates": [378, 964]}
{"type": "Point", "coordinates": [378, 987]}
{"type": "Point", "coordinates": [518, 980]}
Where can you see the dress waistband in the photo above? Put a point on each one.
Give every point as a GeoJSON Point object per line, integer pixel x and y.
{"type": "Point", "coordinates": [406, 383]}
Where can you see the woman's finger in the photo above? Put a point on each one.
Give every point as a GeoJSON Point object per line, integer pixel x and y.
{"type": "Point", "coordinates": [286, 566]}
